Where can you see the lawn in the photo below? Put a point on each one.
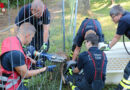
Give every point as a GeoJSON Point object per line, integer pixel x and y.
{"type": "Point", "coordinates": [100, 10]}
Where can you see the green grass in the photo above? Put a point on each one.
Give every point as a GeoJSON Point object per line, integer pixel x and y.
{"type": "Point", "coordinates": [100, 9]}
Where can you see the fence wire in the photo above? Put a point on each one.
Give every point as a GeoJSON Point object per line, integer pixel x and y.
{"type": "Point", "coordinates": [60, 37]}
{"type": "Point", "coordinates": [41, 81]}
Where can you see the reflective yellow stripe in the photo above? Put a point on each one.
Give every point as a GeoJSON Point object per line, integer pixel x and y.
{"type": "Point", "coordinates": [70, 83]}
{"type": "Point", "coordinates": [26, 80]}
{"type": "Point", "coordinates": [73, 87]}
{"type": "Point", "coordinates": [70, 71]}
{"type": "Point", "coordinates": [125, 86]}
{"type": "Point", "coordinates": [126, 81]}
{"type": "Point", "coordinates": [25, 84]}
{"type": "Point", "coordinates": [71, 54]}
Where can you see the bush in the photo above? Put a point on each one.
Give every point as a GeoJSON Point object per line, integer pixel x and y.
{"type": "Point", "coordinates": [13, 3]}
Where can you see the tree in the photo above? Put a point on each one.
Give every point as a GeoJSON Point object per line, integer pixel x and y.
{"type": "Point", "coordinates": [112, 1]}
{"type": "Point", "coordinates": [85, 6]}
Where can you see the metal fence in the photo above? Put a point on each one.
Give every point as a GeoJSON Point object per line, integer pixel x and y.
{"type": "Point", "coordinates": [63, 26]}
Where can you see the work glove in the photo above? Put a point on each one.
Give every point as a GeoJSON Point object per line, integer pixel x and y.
{"type": "Point", "coordinates": [71, 64]}
{"type": "Point", "coordinates": [107, 48]}
{"type": "Point", "coordinates": [50, 68]}
{"type": "Point", "coordinates": [102, 45]}
{"type": "Point", "coordinates": [44, 47]}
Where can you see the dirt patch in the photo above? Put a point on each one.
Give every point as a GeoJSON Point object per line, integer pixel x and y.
{"type": "Point", "coordinates": [8, 18]}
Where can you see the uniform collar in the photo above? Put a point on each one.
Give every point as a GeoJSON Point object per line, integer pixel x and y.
{"type": "Point", "coordinates": [125, 13]}
{"type": "Point", "coordinates": [93, 48]}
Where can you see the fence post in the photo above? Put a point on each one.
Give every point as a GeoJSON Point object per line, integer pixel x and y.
{"type": "Point", "coordinates": [63, 22]}
{"type": "Point", "coordinates": [76, 8]}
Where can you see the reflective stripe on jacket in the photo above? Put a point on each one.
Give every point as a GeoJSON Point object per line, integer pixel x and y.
{"type": "Point", "coordinates": [10, 80]}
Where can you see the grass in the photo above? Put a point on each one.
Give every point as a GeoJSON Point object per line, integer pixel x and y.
{"type": "Point", "coordinates": [101, 12]}
{"type": "Point", "coordinates": [100, 9]}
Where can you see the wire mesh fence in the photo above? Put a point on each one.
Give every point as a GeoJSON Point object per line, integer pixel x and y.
{"type": "Point", "coordinates": [46, 80]}
{"type": "Point", "coordinates": [59, 40]}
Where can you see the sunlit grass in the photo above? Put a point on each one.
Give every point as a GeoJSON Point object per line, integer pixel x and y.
{"type": "Point", "coordinates": [100, 10]}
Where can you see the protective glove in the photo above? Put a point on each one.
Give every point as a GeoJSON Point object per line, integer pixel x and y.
{"type": "Point", "coordinates": [50, 68]}
{"type": "Point", "coordinates": [44, 47]}
{"type": "Point", "coordinates": [24, 46]}
{"type": "Point", "coordinates": [102, 45]}
{"type": "Point", "coordinates": [71, 64]}
{"type": "Point", "coordinates": [106, 48]}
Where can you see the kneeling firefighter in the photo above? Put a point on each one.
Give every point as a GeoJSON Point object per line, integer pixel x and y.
{"type": "Point", "coordinates": [93, 63]}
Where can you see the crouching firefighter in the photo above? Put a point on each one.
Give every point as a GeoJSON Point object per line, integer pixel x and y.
{"type": "Point", "coordinates": [93, 63]}
{"type": "Point", "coordinates": [88, 26]}
{"type": "Point", "coordinates": [14, 63]}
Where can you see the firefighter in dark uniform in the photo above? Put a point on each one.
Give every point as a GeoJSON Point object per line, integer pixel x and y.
{"type": "Point", "coordinates": [88, 26]}
{"type": "Point", "coordinates": [93, 62]}
{"type": "Point", "coordinates": [38, 15]}
{"type": "Point", "coordinates": [122, 17]}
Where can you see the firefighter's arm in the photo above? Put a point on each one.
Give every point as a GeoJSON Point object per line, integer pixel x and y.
{"type": "Point", "coordinates": [32, 60]}
{"type": "Point", "coordinates": [76, 52]}
{"type": "Point", "coordinates": [46, 32]}
{"type": "Point", "coordinates": [24, 72]}
{"type": "Point", "coordinates": [115, 40]}
{"type": "Point", "coordinates": [76, 70]}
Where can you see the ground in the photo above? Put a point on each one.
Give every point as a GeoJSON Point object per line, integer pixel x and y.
{"type": "Point", "coordinates": [100, 11]}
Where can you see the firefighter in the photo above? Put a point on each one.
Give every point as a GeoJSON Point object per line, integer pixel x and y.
{"type": "Point", "coordinates": [38, 15]}
{"type": "Point", "coordinates": [122, 18]}
{"type": "Point", "coordinates": [14, 63]}
{"type": "Point", "coordinates": [88, 26]}
{"type": "Point", "coordinates": [93, 62]}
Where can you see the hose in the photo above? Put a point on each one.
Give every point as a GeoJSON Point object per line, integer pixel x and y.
{"type": "Point", "coordinates": [125, 46]}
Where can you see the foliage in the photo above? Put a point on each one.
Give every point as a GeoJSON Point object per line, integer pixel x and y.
{"type": "Point", "coordinates": [100, 9]}
{"type": "Point", "coordinates": [13, 3]}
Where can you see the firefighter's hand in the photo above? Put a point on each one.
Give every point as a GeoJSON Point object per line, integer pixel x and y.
{"type": "Point", "coordinates": [107, 48]}
{"type": "Point", "coordinates": [50, 68]}
{"type": "Point", "coordinates": [102, 45]}
{"type": "Point", "coordinates": [44, 47]}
